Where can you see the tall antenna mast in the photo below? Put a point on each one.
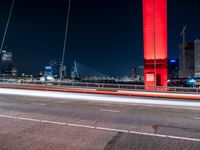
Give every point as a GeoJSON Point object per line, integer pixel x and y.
{"type": "Point", "coordinates": [65, 40]}
{"type": "Point", "coordinates": [7, 24]}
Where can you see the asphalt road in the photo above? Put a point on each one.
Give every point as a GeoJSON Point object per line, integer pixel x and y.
{"type": "Point", "coordinates": [34, 123]}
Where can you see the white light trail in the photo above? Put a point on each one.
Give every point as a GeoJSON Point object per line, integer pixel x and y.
{"type": "Point", "coordinates": [101, 98]}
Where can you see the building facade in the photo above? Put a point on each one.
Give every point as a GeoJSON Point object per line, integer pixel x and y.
{"type": "Point", "coordinates": [197, 58]}
{"type": "Point", "coordinates": [186, 60]}
{"type": "Point", "coordinates": [54, 70]}
{"type": "Point", "coordinates": [134, 73]}
{"type": "Point", "coordinates": [173, 68]}
{"type": "Point", "coordinates": [7, 67]}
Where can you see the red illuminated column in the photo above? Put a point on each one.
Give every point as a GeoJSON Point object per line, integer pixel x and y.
{"type": "Point", "coordinates": [155, 43]}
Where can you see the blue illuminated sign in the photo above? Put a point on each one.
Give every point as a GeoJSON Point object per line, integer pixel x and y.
{"type": "Point", "coordinates": [192, 81]}
{"type": "Point", "coordinates": [173, 61]}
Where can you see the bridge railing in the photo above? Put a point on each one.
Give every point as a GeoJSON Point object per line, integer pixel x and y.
{"type": "Point", "coordinates": [98, 86]}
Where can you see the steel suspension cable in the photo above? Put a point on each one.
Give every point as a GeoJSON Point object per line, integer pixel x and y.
{"type": "Point", "coordinates": [65, 39]}
{"type": "Point", "coordinates": [7, 24]}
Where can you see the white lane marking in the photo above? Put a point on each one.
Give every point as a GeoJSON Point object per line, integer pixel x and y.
{"type": "Point", "coordinates": [110, 129]}
{"type": "Point", "coordinates": [53, 122]}
{"type": "Point", "coordinates": [150, 134]}
{"type": "Point", "coordinates": [149, 105]}
{"type": "Point", "coordinates": [102, 128]}
{"type": "Point", "coordinates": [183, 138]}
{"type": "Point", "coordinates": [110, 110]}
{"type": "Point", "coordinates": [197, 118]}
{"type": "Point", "coordinates": [19, 118]}
{"type": "Point", "coordinates": [39, 104]}
{"type": "Point", "coordinates": [82, 126]}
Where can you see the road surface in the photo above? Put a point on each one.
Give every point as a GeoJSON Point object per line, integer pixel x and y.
{"type": "Point", "coordinates": [39, 123]}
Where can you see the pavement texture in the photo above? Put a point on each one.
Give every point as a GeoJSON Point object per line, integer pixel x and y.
{"type": "Point", "coordinates": [34, 123]}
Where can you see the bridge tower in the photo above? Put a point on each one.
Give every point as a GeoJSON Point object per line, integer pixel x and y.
{"type": "Point", "coordinates": [155, 44]}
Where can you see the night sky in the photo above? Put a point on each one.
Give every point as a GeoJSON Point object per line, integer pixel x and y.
{"type": "Point", "coordinates": [105, 35]}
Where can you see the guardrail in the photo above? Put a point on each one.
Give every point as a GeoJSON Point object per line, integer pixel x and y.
{"type": "Point", "coordinates": [98, 86]}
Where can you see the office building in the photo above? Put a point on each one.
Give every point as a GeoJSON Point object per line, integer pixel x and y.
{"type": "Point", "coordinates": [54, 69]}
{"type": "Point", "coordinates": [134, 73]}
{"type": "Point", "coordinates": [197, 58]}
{"type": "Point", "coordinates": [186, 60]}
{"type": "Point", "coordinates": [7, 67]}
{"type": "Point", "coordinates": [173, 68]}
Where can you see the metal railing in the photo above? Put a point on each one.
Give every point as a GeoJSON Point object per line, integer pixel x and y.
{"type": "Point", "coordinates": [98, 86]}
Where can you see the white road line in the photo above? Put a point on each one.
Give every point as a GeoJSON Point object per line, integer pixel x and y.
{"type": "Point", "coordinates": [149, 134]}
{"type": "Point", "coordinates": [53, 122]}
{"type": "Point", "coordinates": [183, 138]}
{"type": "Point", "coordinates": [149, 105]}
{"type": "Point", "coordinates": [197, 118]}
{"type": "Point", "coordinates": [39, 104]}
{"type": "Point", "coordinates": [82, 126]}
{"type": "Point", "coordinates": [61, 102]}
{"type": "Point", "coordinates": [109, 110]}
{"type": "Point", "coordinates": [103, 128]}
{"type": "Point", "coordinates": [20, 118]}
{"type": "Point", "coordinates": [110, 129]}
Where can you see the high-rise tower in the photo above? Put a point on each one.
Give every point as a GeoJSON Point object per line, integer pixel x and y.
{"type": "Point", "coordinates": [155, 43]}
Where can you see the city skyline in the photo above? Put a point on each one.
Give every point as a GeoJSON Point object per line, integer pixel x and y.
{"type": "Point", "coordinates": [106, 35]}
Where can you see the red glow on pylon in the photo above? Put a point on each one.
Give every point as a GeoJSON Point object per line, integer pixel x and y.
{"type": "Point", "coordinates": [155, 42]}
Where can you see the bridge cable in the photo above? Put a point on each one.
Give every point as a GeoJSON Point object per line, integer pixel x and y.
{"type": "Point", "coordinates": [7, 24]}
{"type": "Point", "coordinates": [65, 40]}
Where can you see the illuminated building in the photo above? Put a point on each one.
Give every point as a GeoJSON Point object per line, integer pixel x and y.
{"type": "Point", "coordinates": [54, 70]}
{"type": "Point", "coordinates": [173, 68]}
{"type": "Point", "coordinates": [6, 56]}
{"type": "Point", "coordinates": [48, 71]}
{"type": "Point", "coordinates": [7, 67]}
{"type": "Point", "coordinates": [155, 43]}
